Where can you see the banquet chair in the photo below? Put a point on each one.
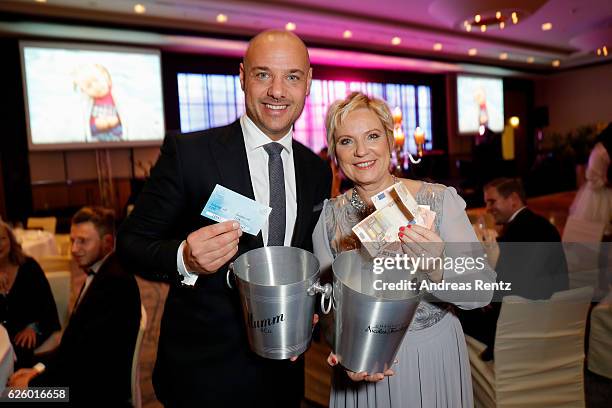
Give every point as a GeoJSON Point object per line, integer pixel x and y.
{"type": "Point", "coordinates": [600, 338]}
{"type": "Point", "coordinates": [44, 223]}
{"type": "Point", "coordinates": [60, 283]}
{"type": "Point", "coordinates": [63, 244]}
{"type": "Point", "coordinates": [539, 353]}
{"type": "Point", "coordinates": [55, 263]}
{"type": "Point", "coordinates": [582, 246]}
{"type": "Point", "coordinates": [136, 391]}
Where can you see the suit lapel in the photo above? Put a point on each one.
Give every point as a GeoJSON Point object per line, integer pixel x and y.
{"type": "Point", "coordinates": [304, 193]}
{"type": "Point", "coordinates": [83, 297]}
{"type": "Point", "coordinates": [231, 158]}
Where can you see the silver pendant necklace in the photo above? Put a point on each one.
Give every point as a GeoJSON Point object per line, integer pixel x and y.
{"type": "Point", "coordinates": [360, 205]}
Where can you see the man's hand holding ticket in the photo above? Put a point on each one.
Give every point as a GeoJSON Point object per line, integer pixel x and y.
{"type": "Point", "coordinates": [209, 248]}
{"type": "Point", "coordinates": [395, 208]}
{"type": "Point", "coordinates": [225, 205]}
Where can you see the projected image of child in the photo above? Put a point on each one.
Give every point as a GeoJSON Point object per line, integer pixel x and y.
{"type": "Point", "coordinates": [480, 97]}
{"type": "Point", "coordinates": [104, 119]}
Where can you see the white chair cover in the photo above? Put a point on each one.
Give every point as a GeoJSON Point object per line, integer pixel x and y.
{"type": "Point", "coordinates": [136, 391]}
{"type": "Point", "coordinates": [600, 338]}
{"type": "Point", "coordinates": [539, 353]}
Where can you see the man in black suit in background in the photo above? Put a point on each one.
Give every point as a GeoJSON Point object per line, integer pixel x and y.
{"type": "Point", "coordinates": [94, 357]}
{"type": "Point", "coordinates": [203, 355]}
{"type": "Point", "coordinates": [531, 257]}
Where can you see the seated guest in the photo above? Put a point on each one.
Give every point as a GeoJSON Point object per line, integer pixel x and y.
{"type": "Point", "coordinates": [531, 257]}
{"type": "Point", "coordinates": [27, 307]}
{"type": "Point", "coordinates": [95, 354]}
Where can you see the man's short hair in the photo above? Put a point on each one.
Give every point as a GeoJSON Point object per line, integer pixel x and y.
{"type": "Point", "coordinates": [506, 186]}
{"type": "Point", "coordinates": [102, 218]}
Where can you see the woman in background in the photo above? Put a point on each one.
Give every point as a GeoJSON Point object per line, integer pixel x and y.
{"type": "Point", "coordinates": [27, 307]}
{"type": "Point", "coordinates": [433, 366]}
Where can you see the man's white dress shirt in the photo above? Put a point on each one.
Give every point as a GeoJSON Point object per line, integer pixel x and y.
{"type": "Point", "coordinates": [254, 140]}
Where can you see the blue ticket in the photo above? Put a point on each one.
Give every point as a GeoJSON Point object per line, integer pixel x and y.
{"type": "Point", "coordinates": [225, 204]}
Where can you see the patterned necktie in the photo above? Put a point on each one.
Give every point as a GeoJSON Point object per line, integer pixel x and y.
{"type": "Point", "coordinates": [276, 221]}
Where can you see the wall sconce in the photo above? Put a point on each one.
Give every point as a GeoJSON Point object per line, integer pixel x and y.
{"type": "Point", "coordinates": [400, 138]}
{"type": "Point", "coordinates": [398, 135]}
{"type": "Point", "coordinates": [419, 139]}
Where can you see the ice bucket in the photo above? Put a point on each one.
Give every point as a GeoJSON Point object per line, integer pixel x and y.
{"type": "Point", "coordinates": [278, 287]}
{"type": "Point", "coordinates": [369, 323]}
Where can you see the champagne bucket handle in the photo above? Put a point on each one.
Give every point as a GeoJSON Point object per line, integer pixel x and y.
{"type": "Point", "coordinates": [230, 270]}
{"type": "Point", "coordinates": [326, 294]}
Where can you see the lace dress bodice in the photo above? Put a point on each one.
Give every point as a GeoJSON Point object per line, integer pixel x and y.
{"type": "Point", "coordinates": [341, 217]}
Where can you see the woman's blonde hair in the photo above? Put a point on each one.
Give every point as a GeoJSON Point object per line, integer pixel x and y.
{"type": "Point", "coordinates": [16, 255]}
{"type": "Point", "coordinates": [340, 109]}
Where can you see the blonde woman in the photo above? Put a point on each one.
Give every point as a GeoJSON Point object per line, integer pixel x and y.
{"type": "Point", "coordinates": [433, 367]}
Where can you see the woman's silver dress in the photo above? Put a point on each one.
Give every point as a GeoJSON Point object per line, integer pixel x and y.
{"type": "Point", "coordinates": [433, 368]}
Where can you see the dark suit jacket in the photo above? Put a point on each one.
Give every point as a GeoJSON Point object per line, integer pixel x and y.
{"type": "Point", "coordinates": [94, 357]}
{"type": "Point", "coordinates": [203, 357]}
{"type": "Point", "coordinates": [531, 257]}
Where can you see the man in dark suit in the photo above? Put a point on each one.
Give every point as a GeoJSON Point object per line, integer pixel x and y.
{"type": "Point", "coordinates": [203, 356]}
{"type": "Point", "coordinates": [94, 357]}
{"type": "Point", "coordinates": [531, 257]}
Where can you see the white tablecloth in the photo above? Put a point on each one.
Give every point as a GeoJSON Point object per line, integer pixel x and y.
{"type": "Point", "coordinates": [37, 243]}
{"type": "Point", "coordinates": [7, 358]}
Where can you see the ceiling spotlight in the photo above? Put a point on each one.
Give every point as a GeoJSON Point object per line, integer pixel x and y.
{"type": "Point", "coordinates": [546, 26]}
{"type": "Point", "coordinates": [556, 63]}
{"type": "Point", "coordinates": [221, 18]}
{"type": "Point", "coordinates": [483, 28]}
{"type": "Point", "coordinates": [396, 41]}
{"type": "Point", "coordinates": [514, 121]}
{"type": "Point", "coordinates": [605, 51]}
{"type": "Point", "coordinates": [477, 18]}
{"type": "Point", "coordinates": [503, 56]}
{"type": "Point", "coordinates": [472, 52]}
{"type": "Point", "coordinates": [347, 34]}
{"type": "Point", "coordinates": [498, 15]}
{"type": "Point", "coordinates": [599, 51]}
{"type": "Point", "coordinates": [502, 25]}
{"type": "Point", "coordinates": [290, 26]}
{"type": "Point", "coordinates": [468, 28]}
{"type": "Point", "coordinates": [514, 15]}
{"type": "Point", "coordinates": [437, 47]}
{"type": "Point", "coordinates": [41, 1]}
{"type": "Point", "coordinates": [139, 9]}
{"type": "Point", "coordinates": [530, 60]}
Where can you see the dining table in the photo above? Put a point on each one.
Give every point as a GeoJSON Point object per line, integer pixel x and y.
{"type": "Point", "coordinates": [36, 243]}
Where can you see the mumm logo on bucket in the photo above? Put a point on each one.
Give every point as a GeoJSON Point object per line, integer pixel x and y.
{"type": "Point", "coordinates": [385, 329]}
{"type": "Point", "coordinates": [263, 323]}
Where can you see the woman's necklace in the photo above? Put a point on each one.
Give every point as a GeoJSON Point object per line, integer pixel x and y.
{"type": "Point", "coordinates": [360, 205]}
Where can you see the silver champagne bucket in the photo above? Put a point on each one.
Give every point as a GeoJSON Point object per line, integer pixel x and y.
{"type": "Point", "coordinates": [369, 323]}
{"type": "Point", "coordinates": [278, 287]}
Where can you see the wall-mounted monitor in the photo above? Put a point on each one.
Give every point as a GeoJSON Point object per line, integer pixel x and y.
{"type": "Point", "coordinates": [82, 96]}
{"type": "Point", "coordinates": [480, 101]}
